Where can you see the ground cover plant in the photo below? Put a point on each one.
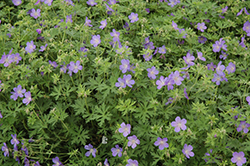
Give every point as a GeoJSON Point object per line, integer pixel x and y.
{"type": "Point", "coordinates": [128, 82]}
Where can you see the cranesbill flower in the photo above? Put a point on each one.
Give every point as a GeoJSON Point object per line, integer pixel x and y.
{"type": "Point", "coordinates": [5, 149]}
{"type": "Point", "coordinates": [91, 150]}
{"type": "Point", "coordinates": [220, 68]}
{"type": "Point", "coordinates": [133, 17]}
{"type": "Point", "coordinates": [17, 2]}
{"type": "Point", "coordinates": [14, 141]}
{"type": "Point", "coordinates": [39, 31]}
{"type": "Point", "coordinates": [211, 66]}
{"type": "Point", "coordinates": [103, 24]}
{"type": "Point", "coordinates": [223, 55]}
{"type": "Point", "coordinates": [239, 12]}
{"type": "Point", "coordinates": [69, 19]}
{"type": "Point", "coordinates": [30, 47]}
{"type": "Point", "coordinates": [6, 60]}
{"type": "Point", "coordinates": [115, 35]}
{"type": "Point", "coordinates": [48, 2]}
{"type": "Point", "coordinates": [223, 46]}
{"type": "Point", "coordinates": [147, 10]}
{"type": "Point", "coordinates": [132, 162]}
{"type": "Point", "coordinates": [174, 25]}
{"type": "Point", "coordinates": [35, 13]}
{"type": "Point", "coordinates": [202, 39]}
{"type": "Point", "coordinates": [201, 26]}
{"type": "Point", "coordinates": [224, 9]}
{"type": "Point", "coordinates": [187, 151]}
{"type": "Point", "coordinates": [91, 2]}
{"type": "Point", "coordinates": [170, 82]}
{"type": "Point", "coordinates": [96, 40]}
{"type": "Point", "coordinates": [117, 151]}
{"type": "Point", "coordinates": [248, 99]}
{"type": "Point", "coordinates": [112, 2]}
{"type": "Point", "coordinates": [53, 64]}
{"type": "Point", "coordinates": [172, 3]}
{"type": "Point", "coordinates": [230, 68]}
{"type": "Point", "coordinates": [216, 47]}
{"type": "Point", "coordinates": [208, 154]}
{"type": "Point", "coordinates": [179, 124]}
{"type": "Point", "coordinates": [148, 56]}
{"type": "Point", "coordinates": [183, 30]}
{"type": "Point", "coordinates": [185, 93]}
{"type": "Point", "coordinates": [127, 79]}
{"type": "Point", "coordinates": [170, 100]}
{"type": "Point", "coordinates": [242, 42]}
{"type": "Point", "coordinates": [243, 126]}
{"type": "Point", "coordinates": [106, 162]}
{"type": "Point", "coordinates": [37, 164]}
{"type": "Point", "coordinates": [162, 49]}
{"type": "Point", "coordinates": [87, 22]}
{"type": "Point", "coordinates": [121, 83]}
{"type": "Point", "coordinates": [125, 129]}
{"type": "Point", "coordinates": [124, 67]}
{"type": "Point", "coordinates": [200, 56]}
{"type": "Point", "coordinates": [133, 141]}
{"type": "Point", "coordinates": [63, 68]}
{"type": "Point", "coordinates": [245, 9]}
{"type": "Point", "coordinates": [177, 78]}
{"type": "Point", "coordinates": [74, 67]}
{"type": "Point", "coordinates": [19, 91]}
{"type": "Point", "coordinates": [152, 72]}
{"type": "Point", "coordinates": [189, 59]}
{"type": "Point", "coordinates": [27, 98]}
{"type": "Point", "coordinates": [56, 161]}
{"type": "Point", "coordinates": [109, 9]}
{"type": "Point", "coordinates": [161, 82]}
{"type": "Point", "coordinates": [42, 48]}
{"type": "Point", "coordinates": [238, 158]}
{"type": "Point", "coordinates": [162, 143]}
{"type": "Point", "coordinates": [246, 27]}
{"type": "Point", "coordinates": [217, 79]}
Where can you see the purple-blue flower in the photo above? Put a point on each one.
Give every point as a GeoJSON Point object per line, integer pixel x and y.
{"type": "Point", "coordinates": [14, 141]}
{"type": "Point", "coordinates": [90, 149]}
{"type": "Point", "coordinates": [48, 2]}
{"type": "Point", "coordinates": [132, 162]}
{"type": "Point", "coordinates": [216, 47]}
{"type": "Point", "coordinates": [248, 99]}
{"type": "Point", "coordinates": [106, 162]}
{"type": "Point", "coordinates": [56, 162]}
{"type": "Point", "coordinates": [27, 98]}
{"type": "Point", "coordinates": [5, 149]}
{"type": "Point", "coordinates": [91, 2]}
{"type": "Point", "coordinates": [211, 66]}
{"type": "Point", "coordinates": [148, 56]}
{"type": "Point", "coordinates": [6, 59]}
{"type": "Point", "coordinates": [177, 78]}
{"type": "Point", "coordinates": [133, 17]}
{"type": "Point", "coordinates": [117, 151]}
{"type": "Point", "coordinates": [202, 39]}
{"type": "Point", "coordinates": [133, 141]}
{"type": "Point", "coordinates": [103, 24]}
{"type": "Point", "coordinates": [223, 55]}
{"type": "Point", "coordinates": [246, 27]}
{"type": "Point", "coordinates": [124, 67]}
{"type": "Point", "coordinates": [17, 2]}
{"type": "Point", "coordinates": [185, 93]}
{"type": "Point", "coordinates": [189, 59]}
{"type": "Point", "coordinates": [221, 43]}
{"type": "Point", "coordinates": [220, 68]}
{"type": "Point", "coordinates": [201, 26]}
{"type": "Point", "coordinates": [217, 78]}
{"type": "Point", "coordinates": [174, 25]}
{"type": "Point", "coordinates": [42, 48]}
{"type": "Point", "coordinates": [200, 56]}
{"type": "Point", "coordinates": [30, 47]}
{"type": "Point", "coordinates": [224, 9]}
{"type": "Point", "coordinates": [39, 31]}
{"type": "Point", "coordinates": [96, 40]}
{"type": "Point", "coordinates": [87, 22]}
{"type": "Point", "coordinates": [74, 67]}
{"type": "Point", "coordinates": [125, 129]}
{"type": "Point", "coordinates": [152, 72]}
{"type": "Point", "coordinates": [162, 143]}
{"type": "Point", "coordinates": [121, 83]}
{"type": "Point", "coordinates": [127, 79]}
{"type": "Point", "coordinates": [172, 3]}
{"type": "Point", "coordinates": [53, 64]}
{"type": "Point", "coordinates": [187, 151]}
{"type": "Point", "coordinates": [162, 49]}
{"type": "Point", "coordinates": [238, 158]}
{"type": "Point", "coordinates": [68, 19]}
{"type": "Point", "coordinates": [161, 82]}
{"type": "Point", "coordinates": [231, 68]}
{"type": "Point", "coordinates": [18, 92]}
{"type": "Point", "coordinates": [115, 35]}
{"type": "Point", "coordinates": [35, 13]}
{"type": "Point", "coordinates": [243, 127]}
{"type": "Point", "coordinates": [179, 124]}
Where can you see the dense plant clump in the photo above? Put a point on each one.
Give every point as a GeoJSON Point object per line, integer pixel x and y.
{"type": "Point", "coordinates": [128, 82]}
